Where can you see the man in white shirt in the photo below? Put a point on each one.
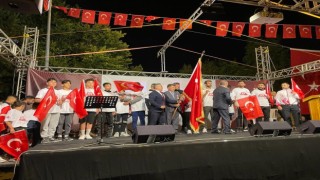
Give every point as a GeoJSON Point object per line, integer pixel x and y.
{"type": "Point", "coordinates": [66, 113]}
{"type": "Point", "coordinates": [263, 100]}
{"type": "Point", "coordinates": [239, 93]}
{"type": "Point", "coordinates": [50, 123]}
{"type": "Point", "coordinates": [288, 102]}
{"type": "Point", "coordinates": [207, 99]}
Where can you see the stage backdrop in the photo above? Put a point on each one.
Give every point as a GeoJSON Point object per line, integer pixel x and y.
{"type": "Point", "coordinates": [309, 83]}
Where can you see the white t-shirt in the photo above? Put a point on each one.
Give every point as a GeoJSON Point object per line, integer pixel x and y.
{"type": "Point", "coordinates": [286, 97]}
{"type": "Point", "coordinates": [262, 97]}
{"type": "Point", "coordinates": [121, 108]}
{"type": "Point", "coordinates": [89, 92]}
{"type": "Point", "coordinates": [140, 105]}
{"type": "Point", "coordinates": [29, 115]}
{"type": "Point", "coordinates": [42, 92]}
{"type": "Point", "coordinates": [231, 107]}
{"type": "Point", "coordinates": [239, 93]}
{"type": "Point", "coordinates": [208, 99]}
{"type": "Point", "coordinates": [65, 106]}
{"type": "Point", "coordinates": [17, 118]}
{"type": "Point", "coordinates": [105, 93]}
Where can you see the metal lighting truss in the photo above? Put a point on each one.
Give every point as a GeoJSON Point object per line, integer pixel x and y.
{"type": "Point", "coordinates": [175, 36]}
{"type": "Point", "coordinates": [263, 62]}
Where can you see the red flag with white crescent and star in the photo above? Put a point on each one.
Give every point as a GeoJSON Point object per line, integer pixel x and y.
{"type": "Point", "coordinates": [250, 107]}
{"type": "Point", "coordinates": [151, 18]}
{"type": "Point", "coordinates": [271, 30]}
{"type": "Point", "coordinates": [268, 92]}
{"type": "Point", "coordinates": [289, 31]}
{"type": "Point", "coordinates": [120, 19]}
{"type": "Point", "coordinates": [296, 89]}
{"type": "Point", "coordinates": [309, 83]}
{"type": "Point", "coordinates": [15, 143]}
{"type": "Point", "coordinates": [88, 16]}
{"type": "Point", "coordinates": [104, 18]}
{"type": "Point", "coordinates": [127, 85]}
{"type": "Point", "coordinates": [194, 91]}
{"type": "Point", "coordinates": [3, 111]}
{"type": "Point", "coordinates": [237, 28]}
{"type": "Point", "coordinates": [305, 31]}
{"type": "Point", "coordinates": [77, 103]}
{"type": "Point", "coordinates": [137, 21]}
{"type": "Point", "coordinates": [46, 5]}
{"type": "Point", "coordinates": [222, 28]}
{"type": "Point", "coordinates": [185, 21]}
{"type": "Point", "coordinates": [254, 30]}
{"type": "Point", "coordinates": [49, 100]}
{"type": "Point", "coordinates": [207, 22]}
{"type": "Point", "coordinates": [97, 89]}
{"type": "Point", "coordinates": [169, 24]}
{"type": "Point", "coordinates": [74, 12]}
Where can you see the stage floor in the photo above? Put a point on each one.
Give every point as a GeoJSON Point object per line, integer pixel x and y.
{"type": "Point", "coordinates": [206, 156]}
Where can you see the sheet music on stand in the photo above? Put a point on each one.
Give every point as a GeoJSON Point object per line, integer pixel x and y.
{"type": "Point", "coordinates": [101, 102]}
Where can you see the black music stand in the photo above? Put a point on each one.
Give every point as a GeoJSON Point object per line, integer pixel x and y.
{"type": "Point", "coordinates": [100, 102]}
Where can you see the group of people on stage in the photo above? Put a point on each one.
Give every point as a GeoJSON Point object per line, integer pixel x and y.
{"type": "Point", "coordinates": [161, 107]}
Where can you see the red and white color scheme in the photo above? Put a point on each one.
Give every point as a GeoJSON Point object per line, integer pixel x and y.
{"type": "Point", "coordinates": [104, 18]}
{"type": "Point", "coordinates": [64, 9]}
{"type": "Point", "coordinates": [222, 28]}
{"type": "Point", "coordinates": [74, 12]}
{"type": "Point", "coordinates": [184, 21]}
{"type": "Point", "coordinates": [289, 31]}
{"type": "Point", "coordinates": [305, 31]}
{"type": "Point", "coordinates": [49, 100]}
{"type": "Point", "coordinates": [295, 88]}
{"type": "Point", "coordinates": [237, 28]}
{"type": "Point", "coordinates": [14, 144]}
{"type": "Point", "coordinates": [308, 83]}
{"type": "Point", "coordinates": [271, 30]}
{"type": "Point", "coordinates": [194, 91]}
{"type": "Point", "coordinates": [137, 21]}
{"type": "Point", "coordinates": [97, 88]}
{"type": "Point", "coordinates": [169, 24]}
{"type": "Point", "coordinates": [254, 30]}
{"type": "Point", "coordinates": [77, 103]}
{"type": "Point", "coordinates": [268, 92]}
{"type": "Point", "coordinates": [46, 5]}
{"type": "Point", "coordinates": [88, 16]}
{"type": "Point", "coordinates": [207, 22]}
{"type": "Point", "coordinates": [127, 85]}
{"type": "Point", "coordinates": [151, 18]}
{"type": "Point", "coordinates": [120, 19]}
{"type": "Point", "coordinates": [250, 107]}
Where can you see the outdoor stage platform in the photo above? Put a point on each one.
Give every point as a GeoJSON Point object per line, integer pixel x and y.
{"type": "Point", "coordinates": [203, 156]}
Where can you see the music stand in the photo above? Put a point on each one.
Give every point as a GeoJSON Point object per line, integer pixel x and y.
{"type": "Point", "coordinates": [100, 102]}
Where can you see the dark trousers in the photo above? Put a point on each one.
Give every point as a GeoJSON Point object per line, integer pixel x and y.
{"type": "Point", "coordinates": [224, 114]}
{"type": "Point", "coordinates": [294, 110]}
{"type": "Point", "coordinates": [157, 118]}
{"type": "Point", "coordinates": [106, 126]}
{"type": "Point", "coordinates": [33, 131]}
{"type": "Point", "coordinates": [241, 119]}
{"type": "Point", "coordinates": [121, 123]}
{"type": "Point", "coordinates": [186, 121]}
{"type": "Point", "coordinates": [135, 115]}
{"type": "Point", "coordinates": [266, 113]}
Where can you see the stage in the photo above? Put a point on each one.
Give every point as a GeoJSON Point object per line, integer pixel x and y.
{"type": "Point", "coordinates": [203, 156]}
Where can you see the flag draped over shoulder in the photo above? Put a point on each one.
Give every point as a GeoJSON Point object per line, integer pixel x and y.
{"type": "Point", "coordinates": [49, 100]}
{"type": "Point", "coordinates": [193, 90]}
{"type": "Point", "coordinates": [250, 107]}
{"type": "Point", "coordinates": [77, 103]}
{"type": "Point", "coordinates": [15, 143]}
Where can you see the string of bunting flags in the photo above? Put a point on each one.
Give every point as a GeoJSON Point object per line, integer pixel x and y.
{"type": "Point", "coordinates": [222, 27]}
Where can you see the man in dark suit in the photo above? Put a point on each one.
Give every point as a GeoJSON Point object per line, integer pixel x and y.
{"type": "Point", "coordinates": [172, 105]}
{"type": "Point", "coordinates": [157, 106]}
{"type": "Point", "coordinates": [221, 103]}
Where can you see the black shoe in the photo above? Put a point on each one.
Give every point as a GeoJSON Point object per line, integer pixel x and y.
{"type": "Point", "coordinates": [215, 132]}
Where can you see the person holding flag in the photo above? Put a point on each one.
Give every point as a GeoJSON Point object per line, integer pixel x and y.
{"type": "Point", "coordinates": [287, 102]}
{"type": "Point", "coordinates": [4, 109]}
{"type": "Point", "coordinates": [207, 98]}
{"type": "Point", "coordinates": [49, 120]}
{"type": "Point", "coordinates": [263, 100]}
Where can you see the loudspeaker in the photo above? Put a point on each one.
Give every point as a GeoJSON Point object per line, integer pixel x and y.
{"type": "Point", "coordinates": [310, 127]}
{"type": "Point", "coordinates": [154, 133]}
{"type": "Point", "coordinates": [276, 128]}
{"type": "Point", "coordinates": [23, 6]}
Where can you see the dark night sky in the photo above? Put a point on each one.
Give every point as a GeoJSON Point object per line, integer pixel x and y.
{"type": "Point", "coordinates": [215, 46]}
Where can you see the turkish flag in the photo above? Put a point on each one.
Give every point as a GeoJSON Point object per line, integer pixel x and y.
{"type": "Point", "coordinates": [49, 100]}
{"type": "Point", "coordinates": [151, 18]}
{"type": "Point", "coordinates": [64, 9]}
{"type": "Point", "coordinates": [305, 31]}
{"type": "Point", "coordinates": [268, 92]}
{"type": "Point", "coordinates": [222, 28]}
{"type": "Point", "coordinates": [169, 24]}
{"type": "Point", "coordinates": [46, 4]}
{"type": "Point", "coordinates": [97, 88]}
{"type": "Point", "coordinates": [77, 103]}
{"type": "Point", "coordinates": [250, 107]}
{"type": "Point", "coordinates": [289, 31]}
{"type": "Point", "coordinates": [255, 30]}
{"type": "Point", "coordinates": [74, 12]}
{"type": "Point", "coordinates": [127, 85]}
{"type": "Point", "coordinates": [309, 83]}
{"type": "Point", "coordinates": [207, 22]}
{"type": "Point", "coordinates": [296, 89]}
{"type": "Point", "coordinates": [120, 19]}
{"type": "Point", "coordinates": [185, 21]}
{"type": "Point", "coordinates": [88, 16]}
{"type": "Point", "coordinates": [237, 28]}
{"type": "Point", "coordinates": [318, 32]}
{"type": "Point", "coordinates": [14, 144]}
{"type": "Point", "coordinates": [137, 21]}
{"type": "Point", "coordinates": [271, 30]}
{"type": "Point", "coordinates": [194, 91]}
{"type": "Point", "coordinates": [104, 18]}
{"type": "Point", "coordinates": [3, 112]}
{"type": "Point", "coordinates": [82, 91]}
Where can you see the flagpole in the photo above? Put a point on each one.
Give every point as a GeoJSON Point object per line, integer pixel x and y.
{"type": "Point", "coordinates": [48, 37]}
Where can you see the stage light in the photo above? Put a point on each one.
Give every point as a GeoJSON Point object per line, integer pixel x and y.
{"type": "Point", "coordinates": [265, 17]}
